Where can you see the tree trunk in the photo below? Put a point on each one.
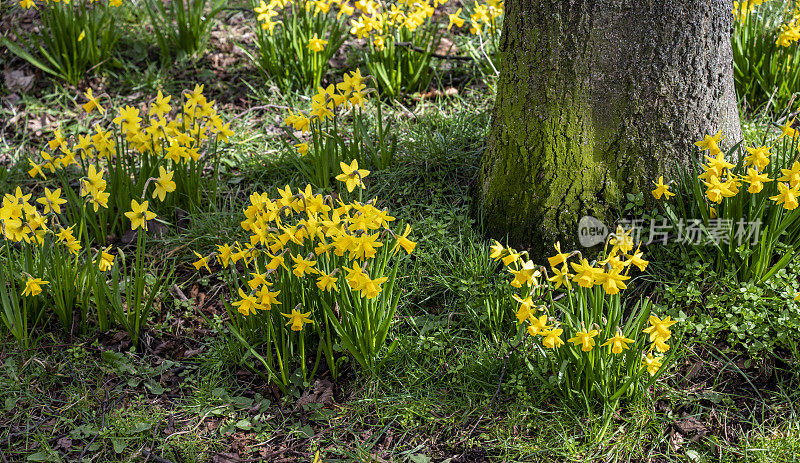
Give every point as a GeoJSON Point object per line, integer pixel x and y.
{"type": "Point", "coordinates": [597, 98]}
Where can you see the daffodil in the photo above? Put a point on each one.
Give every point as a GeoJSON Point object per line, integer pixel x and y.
{"type": "Point", "coordinates": [316, 44]}
{"type": "Point", "coordinates": [92, 103]}
{"type": "Point", "coordinates": [621, 240]}
{"type": "Point", "coordinates": [327, 282]}
{"type": "Point", "coordinates": [267, 298]}
{"type": "Point", "coordinates": [659, 345]}
{"type": "Point", "coordinates": [758, 158]}
{"type": "Point", "coordinates": [93, 182]}
{"type": "Point", "coordinates": [661, 189]}
{"type": "Point", "coordinates": [717, 190]}
{"type": "Point", "coordinates": [787, 130]}
{"type": "Point", "coordinates": [404, 242]}
{"type": "Point", "coordinates": [160, 106]}
{"type": "Point", "coordinates": [352, 176]}
{"type": "Point", "coordinates": [652, 364]}
{"type": "Point", "coordinates": [99, 199]}
{"type": "Point", "coordinates": [756, 180]}
{"type": "Point", "coordinates": [710, 142]}
{"type": "Point", "coordinates": [526, 275]}
{"type": "Point", "coordinates": [559, 258]}
{"type": "Point", "coordinates": [613, 282]}
{"type": "Point", "coordinates": [497, 250]}
{"type": "Point", "coordinates": [201, 262]}
{"type": "Point", "coordinates": [139, 215]}
{"type": "Point", "coordinates": [552, 338]}
{"type": "Point", "coordinates": [585, 339]}
{"type": "Point", "coordinates": [372, 288]}
{"type": "Point", "coordinates": [586, 275]}
{"type": "Point", "coordinates": [247, 304]}
{"type": "Point", "coordinates": [297, 319]}
{"type": "Point", "coordinates": [618, 343]}
{"type": "Point", "coordinates": [52, 201]}
{"type": "Point", "coordinates": [787, 196]}
{"type": "Point", "coordinates": [163, 184]}
{"type": "Point", "coordinates": [512, 257]}
{"type": "Point", "coordinates": [791, 175]}
{"type": "Point", "coordinates": [224, 252]}
{"type": "Point", "coordinates": [105, 260]}
{"type": "Point", "coordinates": [455, 19]}
{"type": "Point", "coordinates": [561, 277]}
{"type": "Point", "coordinates": [302, 148]}
{"type": "Point", "coordinates": [637, 260]}
{"type": "Point", "coordinates": [524, 312]}
{"type": "Point", "coordinates": [36, 169]}
{"type": "Point", "coordinates": [128, 119]}
{"type": "Point", "coordinates": [659, 328]}
{"type": "Point", "coordinates": [33, 286]}
{"type": "Point", "coordinates": [302, 266]}
{"type": "Point", "coordinates": [538, 325]}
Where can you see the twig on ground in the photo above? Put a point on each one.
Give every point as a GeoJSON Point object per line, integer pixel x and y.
{"type": "Point", "coordinates": [148, 455]}
{"type": "Point", "coordinates": [497, 391]}
{"type": "Point", "coordinates": [103, 409]}
{"type": "Point", "coordinates": [153, 440]}
{"type": "Point", "coordinates": [176, 291]}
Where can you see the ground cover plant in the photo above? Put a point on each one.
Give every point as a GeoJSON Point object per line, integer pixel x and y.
{"type": "Point", "coordinates": [248, 232]}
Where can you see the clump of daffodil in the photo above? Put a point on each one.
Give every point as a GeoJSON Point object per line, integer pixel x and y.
{"type": "Point", "coordinates": [334, 261]}
{"type": "Point", "coordinates": [297, 38]}
{"type": "Point", "coordinates": [171, 134]}
{"type": "Point", "coordinates": [573, 313]}
{"type": "Point", "coordinates": [303, 234]}
{"type": "Point", "coordinates": [722, 182]}
{"type": "Point", "coordinates": [387, 28]}
{"type": "Point", "coordinates": [156, 143]}
{"type": "Point", "coordinates": [350, 93]}
{"type": "Point", "coordinates": [744, 198]}
{"type": "Point", "coordinates": [336, 124]}
{"type": "Point", "coordinates": [382, 23]}
{"type": "Point", "coordinates": [68, 227]}
{"type": "Point", "coordinates": [790, 32]}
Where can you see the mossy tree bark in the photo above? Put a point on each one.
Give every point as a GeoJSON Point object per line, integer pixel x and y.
{"type": "Point", "coordinates": [597, 98]}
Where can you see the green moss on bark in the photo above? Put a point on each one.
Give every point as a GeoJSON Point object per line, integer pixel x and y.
{"type": "Point", "coordinates": [546, 174]}
{"type": "Point", "coordinates": [596, 99]}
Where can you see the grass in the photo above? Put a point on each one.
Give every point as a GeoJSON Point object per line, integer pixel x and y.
{"type": "Point", "coordinates": [439, 396]}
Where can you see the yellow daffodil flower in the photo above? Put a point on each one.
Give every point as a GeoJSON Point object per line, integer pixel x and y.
{"type": "Point", "coordinates": [92, 103]}
{"type": "Point", "coordinates": [163, 184]}
{"type": "Point", "coordinates": [618, 343]}
{"type": "Point", "coordinates": [139, 215]}
{"type": "Point", "coordinates": [661, 189]}
{"type": "Point", "coordinates": [33, 286]}
{"type": "Point", "coordinates": [297, 319]}
{"type": "Point", "coordinates": [585, 339]}
{"type": "Point", "coordinates": [52, 201]}
{"type": "Point", "coordinates": [352, 176]}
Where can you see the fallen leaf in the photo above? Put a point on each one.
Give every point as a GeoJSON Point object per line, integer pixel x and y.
{"type": "Point", "coordinates": [18, 81]}
{"type": "Point", "coordinates": [320, 393]}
